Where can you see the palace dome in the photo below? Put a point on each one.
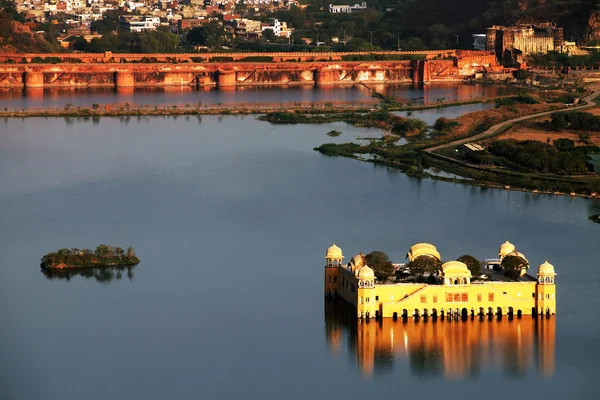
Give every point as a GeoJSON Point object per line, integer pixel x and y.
{"type": "Point", "coordinates": [546, 269]}
{"type": "Point", "coordinates": [422, 249]}
{"type": "Point", "coordinates": [334, 252]}
{"type": "Point", "coordinates": [455, 268]}
{"type": "Point", "coordinates": [365, 272]}
{"type": "Point", "coordinates": [517, 254]}
{"type": "Point", "coordinates": [506, 248]}
{"type": "Point", "coordinates": [357, 262]}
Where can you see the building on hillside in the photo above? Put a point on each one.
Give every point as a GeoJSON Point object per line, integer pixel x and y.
{"type": "Point", "coordinates": [347, 8]}
{"type": "Point", "coordinates": [479, 41]}
{"type": "Point", "coordinates": [511, 44]}
{"type": "Point", "coordinates": [252, 25]}
{"type": "Point", "coordinates": [185, 24]}
{"type": "Point", "coordinates": [138, 23]}
{"type": "Point", "coordinates": [279, 28]}
{"type": "Point", "coordinates": [454, 293]}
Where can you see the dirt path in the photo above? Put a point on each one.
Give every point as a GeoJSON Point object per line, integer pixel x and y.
{"type": "Point", "coordinates": [497, 127]}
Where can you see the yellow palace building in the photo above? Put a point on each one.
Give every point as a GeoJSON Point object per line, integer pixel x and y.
{"type": "Point", "coordinates": [457, 295]}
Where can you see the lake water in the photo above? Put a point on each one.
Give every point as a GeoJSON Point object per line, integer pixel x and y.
{"type": "Point", "coordinates": [431, 115]}
{"type": "Point", "coordinates": [246, 96]}
{"type": "Point", "coordinates": [231, 218]}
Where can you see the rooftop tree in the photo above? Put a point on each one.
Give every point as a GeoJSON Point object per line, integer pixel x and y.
{"type": "Point", "coordinates": [472, 263]}
{"type": "Point", "coordinates": [380, 263]}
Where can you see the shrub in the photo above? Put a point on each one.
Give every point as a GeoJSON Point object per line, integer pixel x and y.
{"type": "Point", "coordinates": [519, 99]}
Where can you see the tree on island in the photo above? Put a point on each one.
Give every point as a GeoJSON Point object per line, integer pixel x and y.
{"type": "Point", "coordinates": [472, 263]}
{"type": "Point", "coordinates": [380, 263]}
{"type": "Point", "coordinates": [130, 252]}
{"type": "Point", "coordinates": [424, 265]}
{"type": "Point", "coordinates": [513, 266]}
{"type": "Point", "coordinates": [103, 255]}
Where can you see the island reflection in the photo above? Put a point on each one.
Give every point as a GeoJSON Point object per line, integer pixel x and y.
{"type": "Point", "coordinates": [104, 275]}
{"type": "Point", "coordinates": [452, 349]}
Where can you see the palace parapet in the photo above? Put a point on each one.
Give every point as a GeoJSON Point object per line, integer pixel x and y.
{"type": "Point", "coordinates": [457, 293]}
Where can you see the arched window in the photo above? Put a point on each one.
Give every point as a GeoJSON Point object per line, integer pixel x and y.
{"type": "Point", "coordinates": [547, 279]}
{"type": "Point", "coordinates": [335, 278]}
{"type": "Point", "coordinates": [464, 281]}
{"type": "Point", "coordinates": [456, 282]}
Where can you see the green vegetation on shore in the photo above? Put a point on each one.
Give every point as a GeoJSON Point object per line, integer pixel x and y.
{"type": "Point", "coordinates": [561, 157]}
{"type": "Point", "coordinates": [395, 126]}
{"type": "Point", "coordinates": [561, 167]}
{"type": "Point", "coordinates": [102, 256]}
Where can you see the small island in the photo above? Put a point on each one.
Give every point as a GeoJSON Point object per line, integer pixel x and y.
{"type": "Point", "coordinates": [102, 256]}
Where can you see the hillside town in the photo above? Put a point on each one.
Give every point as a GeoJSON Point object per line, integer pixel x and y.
{"type": "Point", "coordinates": [91, 19]}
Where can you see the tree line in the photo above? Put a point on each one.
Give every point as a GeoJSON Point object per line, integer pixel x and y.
{"type": "Point", "coordinates": [427, 269]}
{"type": "Point", "coordinates": [576, 120]}
{"type": "Point", "coordinates": [562, 158]}
{"type": "Point", "coordinates": [102, 255]}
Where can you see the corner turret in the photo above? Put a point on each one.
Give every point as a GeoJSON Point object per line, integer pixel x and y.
{"type": "Point", "coordinates": [333, 259]}
{"type": "Point", "coordinates": [546, 290]}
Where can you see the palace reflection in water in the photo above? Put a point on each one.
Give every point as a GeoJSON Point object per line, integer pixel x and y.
{"type": "Point", "coordinates": [455, 349]}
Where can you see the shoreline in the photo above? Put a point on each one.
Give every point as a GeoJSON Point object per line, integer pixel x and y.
{"type": "Point", "coordinates": [124, 110]}
{"type": "Point", "coordinates": [76, 267]}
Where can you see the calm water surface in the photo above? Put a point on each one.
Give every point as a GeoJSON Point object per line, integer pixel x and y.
{"type": "Point", "coordinates": [244, 96]}
{"type": "Point", "coordinates": [231, 218]}
{"type": "Point", "coordinates": [432, 114]}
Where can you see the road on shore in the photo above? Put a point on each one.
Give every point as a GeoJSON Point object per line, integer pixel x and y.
{"type": "Point", "coordinates": [495, 128]}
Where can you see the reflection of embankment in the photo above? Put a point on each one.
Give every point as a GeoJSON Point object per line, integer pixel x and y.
{"type": "Point", "coordinates": [101, 275]}
{"type": "Point", "coordinates": [454, 349]}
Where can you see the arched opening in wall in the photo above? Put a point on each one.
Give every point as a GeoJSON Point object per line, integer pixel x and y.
{"type": "Point", "coordinates": [395, 316]}
{"type": "Point", "coordinates": [490, 313]}
{"type": "Point", "coordinates": [405, 313]}
{"type": "Point", "coordinates": [472, 313]}
{"type": "Point", "coordinates": [456, 282]}
{"type": "Point", "coordinates": [416, 313]}
{"type": "Point", "coordinates": [481, 311]}
{"type": "Point", "coordinates": [534, 312]}
{"type": "Point", "coordinates": [519, 314]}
{"type": "Point", "coordinates": [547, 313]}
{"type": "Point", "coordinates": [510, 312]}
{"type": "Point", "coordinates": [425, 313]}
{"type": "Point", "coordinates": [464, 314]}
{"type": "Point", "coordinates": [376, 314]}
{"type": "Point", "coordinates": [464, 281]}
{"type": "Point", "coordinates": [434, 314]}
{"type": "Point", "coordinates": [367, 315]}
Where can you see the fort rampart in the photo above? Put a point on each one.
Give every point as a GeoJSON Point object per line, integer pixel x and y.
{"type": "Point", "coordinates": [206, 69]}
